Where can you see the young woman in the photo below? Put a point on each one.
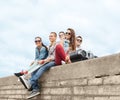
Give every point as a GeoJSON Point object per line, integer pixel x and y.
{"type": "Point", "coordinates": [70, 36]}
{"type": "Point", "coordinates": [41, 52]}
{"type": "Point", "coordinates": [64, 48]}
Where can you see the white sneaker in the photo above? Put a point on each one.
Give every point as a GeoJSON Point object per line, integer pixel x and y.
{"type": "Point", "coordinates": [25, 82]}
{"type": "Point", "coordinates": [63, 62]}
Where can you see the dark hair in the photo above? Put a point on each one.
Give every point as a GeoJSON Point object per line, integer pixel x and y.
{"type": "Point", "coordinates": [72, 39]}
{"type": "Point", "coordinates": [79, 37]}
{"type": "Point", "coordinates": [42, 42]}
{"type": "Point", "coordinates": [54, 33]}
{"type": "Point", "coordinates": [62, 32]}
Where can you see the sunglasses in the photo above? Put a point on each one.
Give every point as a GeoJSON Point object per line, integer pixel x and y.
{"type": "Point", "coordinates": [37, 41]}
{"type": "Point", "coordinates": [68, 33]}
{"type": "Point", "coordinates": [79, 40]}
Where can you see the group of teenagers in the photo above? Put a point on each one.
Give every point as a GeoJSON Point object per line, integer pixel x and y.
{"type": "Point", "coordinates": [46, 57]}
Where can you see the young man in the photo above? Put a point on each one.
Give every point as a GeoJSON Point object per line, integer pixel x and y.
{"type": "Point", "coordinates": [85, 54]}
{"type": "Point", "coordinates": [61, 35]}
{"type": "Point", "coordinates": [63, 41]}
{"type": "Point", "coordinates": [49, 62]}
{"type": "Point", "coordinates": [78, 42]}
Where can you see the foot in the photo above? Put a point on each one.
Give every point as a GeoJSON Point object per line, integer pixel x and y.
{"type": "Point", "coordinates": [30, 89]}
{"type": "Point", "coordinates": [63, 62]}
{"type": "Point", "coordinates": [33, 94]}
{"type": "Point", "coordinates": [25, 82]}
{"type": "Point", "coordinates": [18, 74]}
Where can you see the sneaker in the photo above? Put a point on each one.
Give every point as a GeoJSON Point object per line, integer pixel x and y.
{"type": "Point", "coordinates": [63, 62]}
{"type": "Point", "coordinates": [30, 89]}
{"type": "Point", "coordinates": [33, 94]}
{"type": "Point", "coordinates": [18, 74]}
{"type": "Point", "coordinates": [25, 82]}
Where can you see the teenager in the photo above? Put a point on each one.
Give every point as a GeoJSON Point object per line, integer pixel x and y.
{"type": "Point", "coordinates": [66, 46]}
{"type": "Point", "coordinates": [49, 62]}
{"type": "Point", "coordinates": [78, 42]}
{"type": "Point", "coordinates": [61, 35]}
{"type": "Point", "coordinates": [70, 36]}
{"type": "Point", "coordinates": [41, 52]}
{"type": "Point", "coordinates": [63, 41]}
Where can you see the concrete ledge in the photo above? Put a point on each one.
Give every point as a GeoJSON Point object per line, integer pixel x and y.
{"type": "Point", "coordinates": [108, 65]}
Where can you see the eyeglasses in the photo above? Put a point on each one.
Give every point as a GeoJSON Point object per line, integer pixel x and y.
{"type": "Point", "coordinates": [37, 41]}
{"type": "Point", "coordinates": [68, 33]}
{"type": "Point", "coordinates": [79, 40]}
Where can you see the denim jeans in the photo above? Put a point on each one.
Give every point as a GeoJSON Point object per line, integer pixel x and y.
{"type": "Point", "coordinates": [38, 73]}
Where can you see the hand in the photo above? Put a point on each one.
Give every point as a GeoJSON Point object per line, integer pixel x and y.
{"type": "Point", "coordinates": [67, 59]}
{"type": "Point", "coordinates": [32, 63]}
{"type": "Point", "coordinates": [41, 62]}
{"type": "Point", "coordinates": [47, 60]}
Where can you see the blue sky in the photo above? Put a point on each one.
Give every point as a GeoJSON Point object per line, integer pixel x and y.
{"type": "Point", "coordinates": [97, 21]}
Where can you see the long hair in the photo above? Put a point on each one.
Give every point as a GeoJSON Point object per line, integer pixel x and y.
{"type": "Point", "coordinates": [42, 42]}
{"type": "Point", "coordinates": [72, 39]}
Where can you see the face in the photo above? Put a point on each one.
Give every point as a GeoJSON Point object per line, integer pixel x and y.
{"type": "Point", "coordinates": [78, 41]}
{"type": "Point", "coordinates": [61, 36]}
{"type": "Point", "coordinates": [52, 37]}
{"type": "Point", "coordinates": [38, 42]}
{"type": "Point", "coordinates": [68, 34]}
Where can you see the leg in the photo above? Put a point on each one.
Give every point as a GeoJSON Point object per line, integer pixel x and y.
{"type": "Point", "coordinates": [39, 73]}
{"type": "Point", "coordinates": [59, 54]}
{"type": "Point", "coordinates": [30, 70]}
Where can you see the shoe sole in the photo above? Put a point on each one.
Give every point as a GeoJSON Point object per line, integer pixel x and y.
{"type": "Point", "coordinates": [23, 82]}
{"type": "Point", "coordinates": [17, 75]}
{"type": "Point", "coordinates": [33, 95]}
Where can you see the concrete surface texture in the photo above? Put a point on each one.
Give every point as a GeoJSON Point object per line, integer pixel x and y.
{"type": "Point", "coordinates": [94, 79]}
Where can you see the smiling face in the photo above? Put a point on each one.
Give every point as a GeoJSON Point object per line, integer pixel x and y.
{"type": "Point", "coordinates": [61, 35]}
{"type": "Point", "coordinates": [68, 35]}
{"type": "Point", "coordinates": [52, 37]}
{"type": "Point", "coordinates": [38, 42]}
{"type": "Point", "coordinates": [78, 41]}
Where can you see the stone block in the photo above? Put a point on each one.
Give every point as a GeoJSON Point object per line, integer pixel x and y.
{"type": "Point", "coordinates": [101, 98]}
{"type": "Point", "coordinates": [95, 81]}
{"type": "Point", "coordinates": [82, 98]}
{"type": "Point", "coordinates": [112, 80]}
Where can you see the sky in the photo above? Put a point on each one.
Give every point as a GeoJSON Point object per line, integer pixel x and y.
{"type": "Point", "coordinates": [97, 21]}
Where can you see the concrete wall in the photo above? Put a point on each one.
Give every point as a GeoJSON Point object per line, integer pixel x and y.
{"type": "Point", "coordinates": [75, 81]}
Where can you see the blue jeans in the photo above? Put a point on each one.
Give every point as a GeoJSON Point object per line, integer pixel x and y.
{"type": "Point", "coordinates": [38, 73]}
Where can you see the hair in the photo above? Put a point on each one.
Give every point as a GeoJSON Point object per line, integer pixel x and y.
{"type": "Point", "coordinates": [62, 32]}
{"type": "Point", "coordinates": [42, 42]}
{"type": "Point", "coordinates": [55, 34]}
{"type": "Point", "coordinates": [79, 37]}
{"type": "Point", "coordinates": [72, 39]}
